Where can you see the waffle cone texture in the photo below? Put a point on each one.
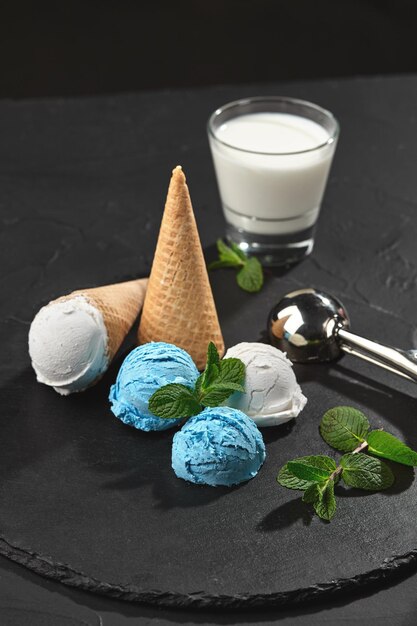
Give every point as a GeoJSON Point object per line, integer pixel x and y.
{"type": "Point", "coordinates": [179, 306]}
{"type": "Point", "coordinates": [119, 304]}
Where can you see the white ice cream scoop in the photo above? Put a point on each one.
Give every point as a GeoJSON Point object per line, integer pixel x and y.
{"type": "Point", "coordinates": [272, 395]}
{"type": "Point", "coordinates": [68, 345]}
{"type": "Point", "coordinates": [73, 339]}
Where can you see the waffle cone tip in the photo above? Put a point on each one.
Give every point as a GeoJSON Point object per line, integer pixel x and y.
{"type": "Point", "coordinates": [178, 182]}
{"type": "Point", "coordinates": [178, 172]}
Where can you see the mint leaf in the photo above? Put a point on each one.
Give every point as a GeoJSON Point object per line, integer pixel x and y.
{"type": "Point", "coordinates": [218, 265]}
{"type": "Point", "coordinates": [343, 427]}
{"type": "Point", "coordinates": [221, 378]}
{"type": "Point", "coordinates": [226, 254]}
{"type": "Point", "coordinates": [325, 505]}
{"type": "Point", "coordinates": [229, 386]}
{"type": "Point", "coordinates": [197, 386]}
{"type": "Point", "coordinates": [288, 480]}
{"type": "Point", "coordinates": [321, 496]}
{"type": "Point", "coordinates": [250, 277]}
{"type": "Point", "coordinates": [242, 256]}
{"type": "Point", "coordinates": [174, 401]}
{"type": "Point", "coordinates": [320, 461]}
{"type": "Point", "coordinates": [232, 387]}
{"type": "Point", "coordinates": [387, 446]}
{"type": "Point", "coordinates": [224, 387]}
{"type": "Point", "coordinates": [219, 392]}
{"type": "Point", "coordinates": [212, 355]}
{"type": "Point", "coordinates": [231, 371]}
{"type": "Point", "coordinates": [365, 472]}
{"type": "Point", "coordinates": [303, 470]}
{"type": "Point", "coordinates": [313, 493]}
{"type": "Point", "coordinates": [211, 371]}
{"type": "Point", "coordinates": [208, 377]}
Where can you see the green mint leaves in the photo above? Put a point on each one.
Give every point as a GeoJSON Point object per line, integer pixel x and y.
{"type": "Point", "coordinates": [316, 476]}
{"type": "Point", "coordinates": [389, 447]}
{"type": "Point", "coordinates": [173, 401]}
{"type": "Point", "coordinates": [344, 428]}
{"type": "Point", "coordinates": [347, 430]}
{"type": "Point", "coordinates": [219, 380]}
{"type": "Point", "coordinates": [250, 277]}
{"type": "Point", "coordinates": [304, 470]}
{"type": "Point", "coordinates": [324, 502]}
{"type": "Point", "coordinates": [365, 472]}
{"type": "Point", "coordinates": [250, 274]}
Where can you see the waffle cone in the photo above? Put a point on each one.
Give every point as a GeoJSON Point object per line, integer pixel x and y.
{"type": "Point", "coordinates": [179, 307]}
{"type": "Point", "coordinates": [119, 304]}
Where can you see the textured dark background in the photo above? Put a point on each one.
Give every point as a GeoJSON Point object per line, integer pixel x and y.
{"type": "Point", "coordinates": [102, 46]}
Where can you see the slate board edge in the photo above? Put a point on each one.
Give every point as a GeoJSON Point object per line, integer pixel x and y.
{"type": "Point", "coordinates": [392, 567]}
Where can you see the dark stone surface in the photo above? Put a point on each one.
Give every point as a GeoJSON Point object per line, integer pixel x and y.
{"type": "Point", "coordinates": [82, 190]}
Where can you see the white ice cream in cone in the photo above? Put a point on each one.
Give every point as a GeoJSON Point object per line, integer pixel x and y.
{"type": "Point", "coordinates": [73, 339]}
{"type": "Point", "coordinates": [179, 307]}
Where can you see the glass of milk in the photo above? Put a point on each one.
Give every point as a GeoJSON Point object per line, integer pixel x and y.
{"type": "Point", "coordinates": [272, 157]}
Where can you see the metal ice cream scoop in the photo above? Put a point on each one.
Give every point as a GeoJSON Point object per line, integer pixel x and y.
{"type": "Point", "coordinates": [312, 326]}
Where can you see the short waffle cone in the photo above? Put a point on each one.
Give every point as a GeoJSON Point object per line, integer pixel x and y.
{"type": "Point", "coordinates": [179, 306]}
{"type": "Point", "coordinates": [119, 304]}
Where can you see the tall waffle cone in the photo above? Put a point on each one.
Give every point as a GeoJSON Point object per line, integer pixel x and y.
{"type": "Point", "coordinates": [119, 304]}
{"type": "Point", "coordinates": [179, 306]}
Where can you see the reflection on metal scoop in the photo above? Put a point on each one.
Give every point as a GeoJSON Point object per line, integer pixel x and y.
{"type": "Point", "coordinates": [312, 326]}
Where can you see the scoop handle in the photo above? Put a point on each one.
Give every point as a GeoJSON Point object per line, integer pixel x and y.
{"type": "Point", "coordinates": [400, 362]}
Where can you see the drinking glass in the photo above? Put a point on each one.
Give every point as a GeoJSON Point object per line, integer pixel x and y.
{"type": "Point", "coordinates": [272, 157]}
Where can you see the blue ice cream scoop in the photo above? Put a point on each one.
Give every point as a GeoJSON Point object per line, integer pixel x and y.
{"type": "Point", "coordinates": [220, 446]}
{"type": "Point", "coordinates": [144, 370]}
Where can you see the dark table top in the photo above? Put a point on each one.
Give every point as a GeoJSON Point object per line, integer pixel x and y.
{"type": "Point", "coordinates": [70, 168]}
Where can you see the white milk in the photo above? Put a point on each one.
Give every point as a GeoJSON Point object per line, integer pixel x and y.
{"type": "Point", "coordinates": [273, 171]}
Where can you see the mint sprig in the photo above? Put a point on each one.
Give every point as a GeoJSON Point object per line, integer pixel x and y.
{"type": "Point", "coordinates": [344, 427]}
{"type": "Point", "coordinates": [288, 479]}
{"type": "Point", "coordinates": [348, 430]}
{"type": "Point", "coordinates": [221, 378]}
{"type": "Point", "coordinates": [318, 475]}
{"type": "Point", "coordinates": [250, 274]}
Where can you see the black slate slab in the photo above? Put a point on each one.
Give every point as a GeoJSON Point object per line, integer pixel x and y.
{"type": "Point", "coordinates": [96, 505]}
{"type": "Point", "coordinates": [93, 503]}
